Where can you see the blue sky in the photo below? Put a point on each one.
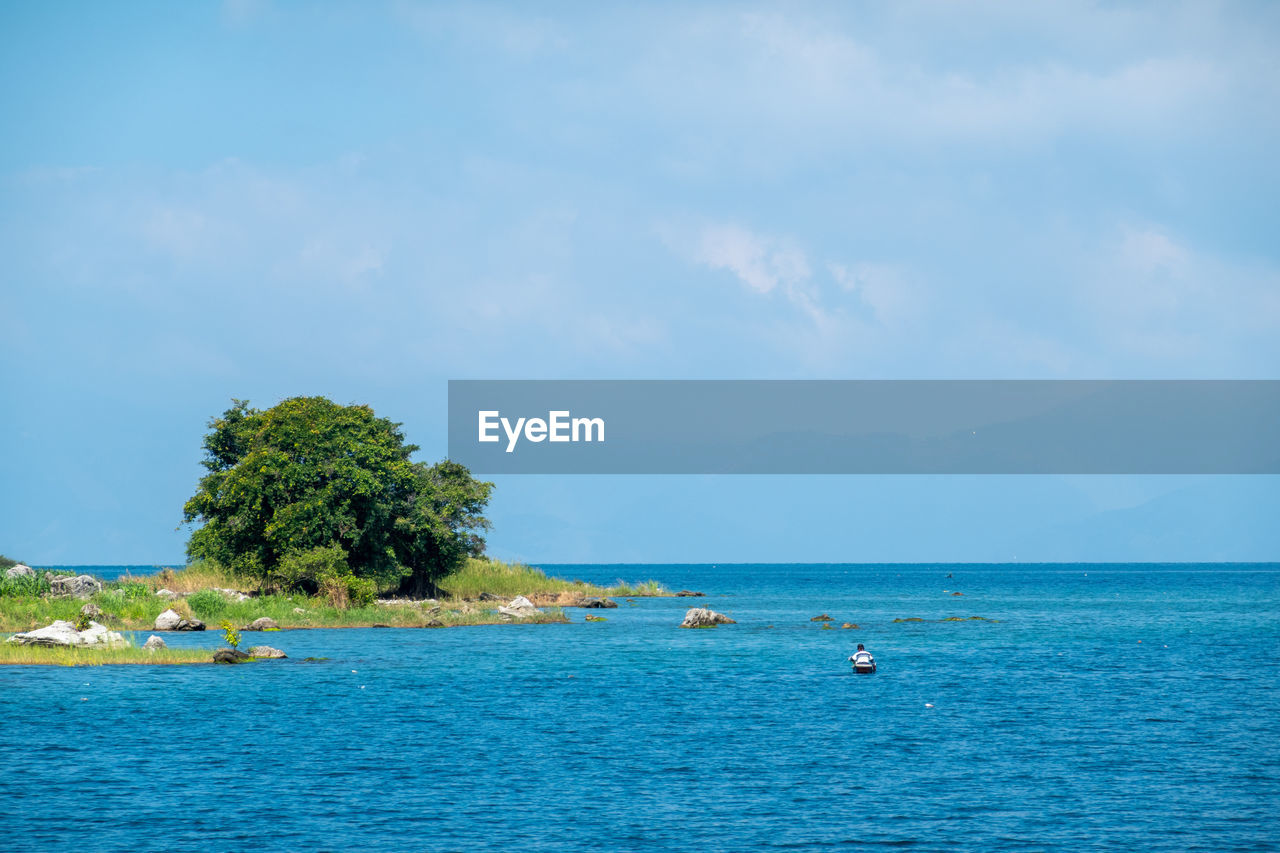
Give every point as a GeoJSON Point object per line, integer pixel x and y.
{"type": "Point", "coordinates": [202, 201]}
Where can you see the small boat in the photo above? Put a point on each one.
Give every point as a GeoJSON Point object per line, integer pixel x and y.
{"type": "Point", "coordinates": [864, 668]}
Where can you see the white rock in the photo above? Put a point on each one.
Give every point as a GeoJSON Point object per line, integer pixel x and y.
{"type": "Point", "coordinates": [520, 607]}
{"type": "Point", "coordinates": [63, 633]}
{"type": "Point", "coordinates": [153, 642]}
{"type": "Point", "coordinates": [19, 571]}
{"type": "Point", "coordinates": [83, 586]}
{"type": "Point", "coordinates": [166, 593]}
{"type": "Point", "coordinates": [168, 620]}
{"type": "Point", "coordinates": [701, 617]}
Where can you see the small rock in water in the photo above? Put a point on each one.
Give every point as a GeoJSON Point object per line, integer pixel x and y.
{"type": "Point", "coordinates": [822, 618]}
{"type": "Point", "coordinates": [63, 633]}
{"type": "Point", "coordinates": [849, 625]}
{"type": "Point", "coordinates": [229, 656]}
{"type": "Point", "coordinates": [701, 617]}
{"type": "Point", "coordinates": [688, 593]}
{"type": "Point", "coordinates": [596, 602]}
{"type": "Point", "coordinates": [168, 621]}
{"type": "Point", "coordinates": [266, 652]}
{"type": "Point", "coordinates": [595, 618]}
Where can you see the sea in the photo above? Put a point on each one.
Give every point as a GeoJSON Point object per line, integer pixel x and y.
{"type": "Point", "coordinates": [1091, 707]}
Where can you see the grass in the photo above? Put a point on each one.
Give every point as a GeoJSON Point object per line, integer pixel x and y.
{"type": "Point", "coordinates": [130, 603]}
{"type": "Point", "coordinates": [70, 656]}
{"type": "Point", "coordinates": [508, 580]}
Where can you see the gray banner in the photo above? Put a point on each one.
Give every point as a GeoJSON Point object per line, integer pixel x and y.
{"type": "Point", "coordinates": [865, 426]}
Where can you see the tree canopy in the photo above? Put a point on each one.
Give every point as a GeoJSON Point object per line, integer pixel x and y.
{"type": "Point", "coordinates": [309, 488]}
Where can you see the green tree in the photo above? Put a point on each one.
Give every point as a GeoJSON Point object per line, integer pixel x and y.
{"type": "Point", "coordinates": [289, 486]}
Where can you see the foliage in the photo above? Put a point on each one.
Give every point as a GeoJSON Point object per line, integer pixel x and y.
{"type": "Point", "coordinates": [511, 579]}
{"type": "Point", "coordinates": [207, 603]}
{"type": "Point", "coordinates": [230, 634]}
{"type": "Point", "coordinates": [305, 569]}
{"type": "Point", "coordinates": [82, 621]}
{"type": "Point", "coordinates": [23, 587]}
{"type": "Point", "coordinates": [286, 485]}
{"type": "Point", "coordinates": [6, 563]}
{"type": "Point", "coordinates": [133, 591]}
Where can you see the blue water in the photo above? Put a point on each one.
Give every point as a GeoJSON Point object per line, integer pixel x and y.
{"type": "Point", "coordinates": [1110, 706]}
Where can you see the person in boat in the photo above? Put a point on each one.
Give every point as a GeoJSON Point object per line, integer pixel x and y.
{"type": "Point", "coordinates": [862, 660]}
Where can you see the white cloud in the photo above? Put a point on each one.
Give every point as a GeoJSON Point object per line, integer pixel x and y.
{"type": "Point", "coordinates": [761, 263]}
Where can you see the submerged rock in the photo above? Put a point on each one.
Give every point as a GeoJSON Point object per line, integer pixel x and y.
{"type": "Point", "coordinates": [266, 652]}
{"type": "Point", "coordinates": [688, 593]}
{"type": "Point", "coordinates": [822, 618]}
{"type": "Point", "coordinates": [520, 608]}
{"type": "Point", "coordinates": [19, 571]}
{"type": "Point", "coordinates": [230, 656]}
{"type": "Point", "coordinates": [701, 617]}
{"type": "Point", "coordinates": [63, 633]}
{"type": "Point", "coordinates": [153, 642]}
{"type": "Point", "coordinates": [82, 586]}
{"type": "Point", "coordinates": [848, 625]}
{"type": "Point", "coordinates": [595, 618]}
{"type": "Point", "coordinates": [262, 623]}
{"type": "Point", "coordinates": [596, 602]}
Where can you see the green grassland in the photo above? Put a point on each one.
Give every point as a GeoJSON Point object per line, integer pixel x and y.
{"type": "Point", "coordinates": [131, 603]}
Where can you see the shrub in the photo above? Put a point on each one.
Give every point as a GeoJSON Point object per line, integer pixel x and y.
{"type": "Point", "coordinates": [230, 634]}
{"type": "Point", "coordinates": [23, 587]}
{"type": "Point", "coordinates": [207, 603]}
{"type": "Point", "coordinates": [134, 590]}
{"type": "Point", "coordinates": [362, 591]}
{"type": "Point", "coordinates": [308, 569]}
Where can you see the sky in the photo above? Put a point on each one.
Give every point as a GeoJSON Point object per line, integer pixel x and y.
{"type": "Point", "coordinates": [259, 200]}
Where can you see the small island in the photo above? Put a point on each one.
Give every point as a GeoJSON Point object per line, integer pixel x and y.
{"type": "Point", "coordinates": [311, 515]}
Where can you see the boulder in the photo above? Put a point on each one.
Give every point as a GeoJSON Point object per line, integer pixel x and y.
{"type": "Point", "coordinates": [701, 617]}
{"type": "Point", "coordinates": [822, 618]}
{"type": "Point", "coordinates": [19, 571]}
{"type": "Point", "coordinates": [171, 620]}
{"type": "Point", "coordinates": [233, 594]}
{"type": "Point", "coordinates": [82, 586]}
{"type": "Point", "coordinates": [166, 593]}
{"type": "Point", "coordinates": [262, 623]}
{"type": "Point", "coordinates": [63, 633]}
{"type": "Point", "coordinates": [596, 602]}
{"type": "Point", "coordinates": [520, 608]}
{"type": "Point", "coordinates": [266, 652]}
{"type": "Point", "coordinates": [153, 642]}
{"type": "Point", "coordinates": [168, 621]}
{"type": "Point", "coordinates": [688, 593]}
{"type": "Point", "coordinates": [230, 656]}
{"type": "Point", "coordinates": [91, 610]}
{"type": "Point", "coordinates": [299, 610]}
{"type": "Point", "coordinates": [488, 596]}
